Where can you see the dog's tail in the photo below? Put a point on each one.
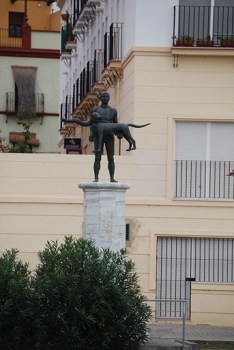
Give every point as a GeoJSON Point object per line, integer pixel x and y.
{"type": "Point", "coordinates": [138, 126]}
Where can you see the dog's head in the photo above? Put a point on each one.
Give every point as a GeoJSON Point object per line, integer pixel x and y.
{"type": "Point", "coordinates": [96, 117]}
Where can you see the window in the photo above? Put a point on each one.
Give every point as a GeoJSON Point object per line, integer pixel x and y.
{"type": "Point", "coordinates": [181, 260]}
{"type": "Point", "coordinates": [203, 158]}
{"type": "Point", "coordinates": [205, 20]}
{"type": "Point", "coordinates": [16, 20]}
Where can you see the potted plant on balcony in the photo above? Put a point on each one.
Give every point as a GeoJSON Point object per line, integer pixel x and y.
{"type": "Point", "coordinates": [185, 40]}
{"type": "Point", "coordinates": [205, 42]}
{"type": "Point", "coordinates": [226, 41]}
{"type": "Point", "coordinates": [69, 28]}
{"type": "Point", "coordinates": [64, 16]}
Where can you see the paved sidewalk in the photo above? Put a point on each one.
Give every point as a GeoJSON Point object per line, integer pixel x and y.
{"type": "Point", "coordinates": [193, 332]}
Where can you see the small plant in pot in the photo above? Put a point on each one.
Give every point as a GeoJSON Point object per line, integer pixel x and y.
{"type": "Point", "coordinates": [226, 41]}
{"type": "Point", "coordinates": [69, 27]}
{"type": "Point", "coordinates": [185, 40]}
{"type": "Point", "coordinates": [205, 41]}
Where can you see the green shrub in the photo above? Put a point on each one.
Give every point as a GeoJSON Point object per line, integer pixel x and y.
{"type": "Point", "coordinates": [78, 298]}
{"type": "Point", "coordinates": [88, 299]}
{"type": "Point", "coordinates": [16, 312]}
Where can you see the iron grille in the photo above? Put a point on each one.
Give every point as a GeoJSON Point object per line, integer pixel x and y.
{"type": "Point", "coordinates": [203, 179]}
{"type": "Point", "coordinates": [181, 260]}
{"type": "Point", "coordinates": [98, 65]}
{"type": "Point", "coordinates": [127, 232]}
{"type": "Point", "coordinates": [113, 43]}
{"type": "Point", "coordinates": [12, 102]}
{"type": "Point", "coordinates": [211, 24]}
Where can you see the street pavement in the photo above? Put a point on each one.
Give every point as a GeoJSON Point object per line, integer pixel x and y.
{"type": "Point", "coordinates": [192, 332]}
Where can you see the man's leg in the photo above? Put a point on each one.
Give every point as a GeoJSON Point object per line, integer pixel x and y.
{"type": "Point", "coordinates": [97, 165]}
{"type": "Point", "coordinates": [110, 156]}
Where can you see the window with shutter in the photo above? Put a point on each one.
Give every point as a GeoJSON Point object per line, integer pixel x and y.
{"type": "Point", "coordinates": [181, 260]}
{"type": "Point", "coordinates": [203, 158]}
{"type": "Point", "coordinates": [16, 21]}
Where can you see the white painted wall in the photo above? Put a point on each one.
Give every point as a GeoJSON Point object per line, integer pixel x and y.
{"type": "Point", "coordinates": [52, 40]}
{"type": "Point", "coordinates": [154, 22]}
{"type": "Point", "coordinates": [145, 23]}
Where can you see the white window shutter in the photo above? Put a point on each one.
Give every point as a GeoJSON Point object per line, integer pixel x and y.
{"type": "Point", "coordinates": [222, 141]}
{"type": "Point", "coordinates": [190, 141]}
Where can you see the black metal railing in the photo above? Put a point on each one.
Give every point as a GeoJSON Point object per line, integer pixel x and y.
{"type": "Point", "coordinates": [62, 114]}
{"type": "Point", "coordinates": [113, 43]}
{"type": "Point", "coordinates": [7, 38]}
{"type": "Point", "coordinates": [76, 94]}
{"type": "Point", "coordinates": [98, 65]}
{"type": "Point", "coordinates": [69, 106]}
{"type": "Point", "coordinates": [77, 8]}
{"type": "Point", "coordinates": [87, 79]}
{"type": "Point", "coordinates": [12, 102]}
{"type": "Point", "coordinates": [203, 25]}
{"type": "Point", "coordinates": [203, 179]}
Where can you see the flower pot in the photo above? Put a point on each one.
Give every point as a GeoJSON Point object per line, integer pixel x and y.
{"type": "Point", "coordinates": [16, 137]}
{"type": "Point", "coordinates": [184, 42]}
{"type": "Point", "coordinates": [64, 131]}
{"type": "Point", "coordinates": [64, 16]}
{"type": "Point", "coordinates": [202, 43]}
{"type": "Point", "coordinates": [226, 43]}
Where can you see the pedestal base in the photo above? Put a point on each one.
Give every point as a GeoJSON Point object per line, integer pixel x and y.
{"type": "Point", "coordinates": [104, 213]}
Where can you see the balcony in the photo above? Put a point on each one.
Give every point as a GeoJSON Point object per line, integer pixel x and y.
{"type": "Point", "coordinates": [113, 43]}
{"type": "Point", "coordinates": [105, 68]}
{"type": "Point", "coordinates": [7, 40]}
{"type": "Point", "coordinates": [203, 179]}
{"type": "Point", "coordinates": [203, 26]}
{"type": "Point", "coordinates": [113, 55]}
{"type": "Point", "coordinates": [84, 15]}
{"type": "Point", "coordinates": [12, 103]}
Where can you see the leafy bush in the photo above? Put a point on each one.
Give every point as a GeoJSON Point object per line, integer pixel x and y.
{"type": "Point", "coordinates": [80, 298]}
{"type": "Point", "coordinates": [89, 299]}
{"type": "Point", "coordinates": [16, 312]}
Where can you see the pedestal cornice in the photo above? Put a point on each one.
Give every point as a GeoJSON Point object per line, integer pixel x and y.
{"type": "Point", "coordinates": [104, 186]}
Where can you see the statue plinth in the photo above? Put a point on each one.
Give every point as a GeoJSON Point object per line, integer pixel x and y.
{"type": "Point", "coordinates": [104, 213]}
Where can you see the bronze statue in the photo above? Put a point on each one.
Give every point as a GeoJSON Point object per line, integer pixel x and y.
{"type": "Point", "coordinates": [100, 130]}
{"type": "Point", "coordinates": [103, 126]}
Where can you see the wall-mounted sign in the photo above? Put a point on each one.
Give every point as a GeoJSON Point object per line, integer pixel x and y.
{"type": "Point", "coordinates": [73, 151]}
{"type": "Point", "coordinates": [72, 143]}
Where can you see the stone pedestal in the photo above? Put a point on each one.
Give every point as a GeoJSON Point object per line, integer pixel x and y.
{"type": "Point", "coordinates": [104, 213]}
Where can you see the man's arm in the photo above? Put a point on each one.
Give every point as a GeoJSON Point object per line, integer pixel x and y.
{"type": "Point", "coordinates": [115, 120]}
{"type": "Point", "coordinates": [115, 116]}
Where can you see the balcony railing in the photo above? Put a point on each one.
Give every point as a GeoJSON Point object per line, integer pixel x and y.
{"type": "Point", "coordinates": [113, 43]}
{"type": "Point", "coordinates": [7, 40]}
{"type": "Point", "coordinates": [77, 8]}
{"type": "Point", "coordinates": [98, 66]}
{"type": "Point", "coordinates": [203, 179]}
{"type": "Point", "coordinates": [211, 25]}
{"type": "Point", "coordinates": [12, 102]}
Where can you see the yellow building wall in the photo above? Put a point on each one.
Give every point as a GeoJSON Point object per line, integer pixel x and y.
{"type": "Point", "coordinates": [39, 18]}
{"type": "Point", "coordinates": [213, 303]}
{"type": "Point", "coordinates": [40, 201]}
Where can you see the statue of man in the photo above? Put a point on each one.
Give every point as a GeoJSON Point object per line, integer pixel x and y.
{"type": "Point", "coordinates": [103, 131]}
{"type": "Point", "coordinates": [109, 115]}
